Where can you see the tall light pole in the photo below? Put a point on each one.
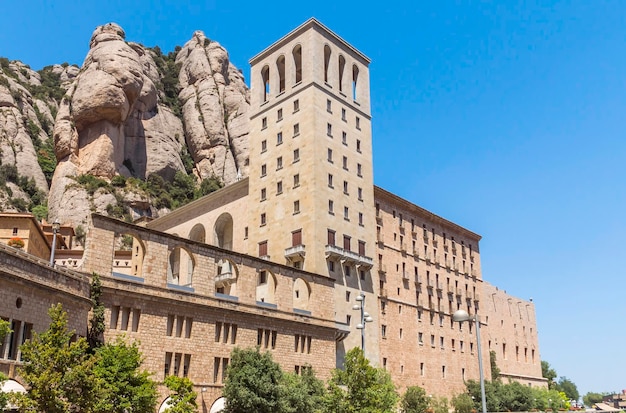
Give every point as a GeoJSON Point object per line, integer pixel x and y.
{"type": "Point", "coordinates": [365, 318]}
{"type": "Point", "coordinates": [56, 226]}
{"type": "Point", "coordinates": [461, 316]}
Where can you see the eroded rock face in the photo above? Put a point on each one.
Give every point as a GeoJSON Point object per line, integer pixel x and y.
{"type": "Point", "coordinates": [215, 103]}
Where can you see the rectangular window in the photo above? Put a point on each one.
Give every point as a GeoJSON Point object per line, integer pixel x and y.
{"type": "Point", "coordinates": [360, 194]}
{"type": "Point", "coordinates": [263, 194]}
{"type": "Point", "coordinates": [263, 145]}
{"type": "Point", "coordinates": [263, 170]}
{"type": "Point", "coordinates": [383, 329]}
{"type": "Point", "coordinates": [263, 219]}
{"type": "Point", "coordinates": [279, 163]}
{"type": "Point", "coordinates": [296, 129]}
{"type": "Point", "coordinates": [279, 138]}
{"type": "Point", "coordinates": [346, 242]}
{"type": "Point", "coordinates": [346, 213]}
{"type": "Point", "coordinates": [330, 155]}
{"type": "Point", "coordinates": [331, 237]}
{"type": "Point", "coordinates": [345, 187]}
{"type": "Point", "coordinates": [345, 163]}
{"type": "Point", "coordinates": [358, 145]}
{"type": "Point", "coordinates": [358, 123]}
{"type": "Point", "coordinates": [296, 207]}
{"type": "Point", "coordinates": [279, 115]}
{"type": "Point", "coordinates": [360, 218]}
{"type": "Point", "coordinates": [15, 231]}
{"type": "Point", "coordinates": [279, 187]}
{"type": "Point", "coordinates": [296, 180]}
{"type": "Point", "coordinates": [262, 249]}
{"type": "Point", "coordinates": [420, 338]}
{"type": "Point", "coordinates": [296, 105]}
{"type": "Point", "coordinates": [245, 233]}
{"type": "Point", "coordinates": [362, 248]}
{"type": "Point", "coordinates": [168, 363]}
{"type": "Point", "coordinates": [296, 155]}
{"type": "Point", "coordinates": [343, 114]}
{"type": "Point", "coordinates": [359, 170]}
{"type": "Point", "coordinates": [329, 106]}
{"type": "Point", "coordinates": [263, 123]}
{"type": "Point", "coordinates": [331, 207]}
{"type": "Point", "coordinates": [344, 138]}
{"type": "Point", "coordinates": [329, 130]}
{"type": "Point", "coordinates": [296, 238]}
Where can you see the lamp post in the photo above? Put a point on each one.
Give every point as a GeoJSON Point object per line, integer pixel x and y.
{"type": "Point", "coordinates": [56, 226]}
{"type": "Point", "coordinates": [461, 316]}
{"type": "Point", "coordinates": [365, 318]}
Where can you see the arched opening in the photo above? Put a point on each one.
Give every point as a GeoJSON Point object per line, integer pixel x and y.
{"type": "Point", "coordinates": [265, 76]}
{"type": "Point", "coordinates": [218, 405]}
{"type": "Point", "coordinates": [180, 267]}
{"type": "Point", "coordinates": [11, 386]}
{"type": "Point", "coordinates": [165, 405]}
{"type": "Point", "coordinates": [355, 78]}
{"type": "Point", "coordinates": [326, 62]}
{"type": "Point", "coordinates": [301, 294]}
{"type": "Point", "coordinates": [128, 255]}
{"type": "Point", "coordinates": [223, 231]}
{"type": "Point", "coordinates": [198, 233]}
{"type": "Point", "coordinates": [226, 277]}
{"type": "Point", "coordinates": [297, 62]}
{"type": "Point", "coordinates": [280, 66]}
{"type": "Point", "coordinates": [266, 287]}
{"type": "Point", "coordinates": [342, 66]}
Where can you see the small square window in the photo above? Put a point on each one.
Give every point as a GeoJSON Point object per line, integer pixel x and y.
{"type": "Point", "coordinates": [296, 155]}
{"type": "Point", "coordinates": [263, 123]}
{"type": "Point", "coordinates": [296, 105]}
{"type": "Point", "coordinates": [296, 129]}
{"type": "Point", "coordinates": [296, 180]}
{"type": "Point", "coordinates": [279, 162]}
{"type": "Point", "coordinates": [279, 138]}
{"type": "Point", "coordinates": [279, 115]}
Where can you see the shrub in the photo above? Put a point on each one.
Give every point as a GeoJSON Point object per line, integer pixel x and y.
{"type": "Point", "coordinates": [16, 242]}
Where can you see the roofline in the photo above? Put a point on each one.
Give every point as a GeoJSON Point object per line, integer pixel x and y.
{"type": "Point", "coordinates": [427, 213]}
{"type": "Point", "coordinates": [311, 23]}
{"type": "Point", "coordinates": [236, 186]}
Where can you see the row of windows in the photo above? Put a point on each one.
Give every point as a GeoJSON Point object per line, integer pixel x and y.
{"type": "Point", "coordinates": [124, 322]}
{"type": "Point", "coordinates": [344, 163]}
{"type": "Point", "coordinates": [423, 369]}
{"type": "Point", "coordinates": [173, 362]}
{"type": "Point", "coordinates": [20, 332]}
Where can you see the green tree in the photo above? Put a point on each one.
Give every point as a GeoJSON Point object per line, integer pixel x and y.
{"type": "Point", "coordinates": [414, 400]}
{"type": "Point", "coordinates": [96, 322]}
{"type": "Point", "coordinates": [183, 398]}
{"type": "Point", "coordinates": [592, 398]}
{"type": "Point", "coordinates": [253, 383]}
{"type": "Point", "coordinates": [462, 403]}
{"type": "Point", "coordinates": [5, 328]}
{"type": "Point", "coordinates": [495, 371]}
{"type": "Point", "coordinates": [124, 388]}
{"type": "Point", "coordinates": [548, 373]}
{"type": "Point", "coordinates": [303, 393]}
{"type": "Point", "coordinates": [360, 387]}
{"type": "Point", "coordinates": [568, 387]}
{"type": "Point", "coordinates": [57, 371]}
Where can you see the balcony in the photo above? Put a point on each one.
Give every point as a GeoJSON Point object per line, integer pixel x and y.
{"type": "Point", "coordinates": [439, 286]}
{"type": "Point", "coordinates": [379, 217]}
{"type": "Point", "coordinates": [425, 239]}
{"type": "Point", "coordinates": [435, 243]}
{"type": "Point", "coordinates": [414, 233]}
{"type": "Point", "coordinates": [405, 275]}
{"type": "Point", "coordinates": [445, 247]}
{"type": "Point", "coordinates": [382, 268]}
{"type": "Point", "coordinates": [403, 248]}
{"type": "Point", "coordinates": [402, 231]}
{"type": "Point", "coordinates": [416, 253]}
{"type": "Point", "coordinates": [333, 252]}
{"type": "Point", "coordinates": [225, 278]}
{"type": "Point", "coordinates": [418, 281]}
{"type": "Point", "coordinates": [295, 253]}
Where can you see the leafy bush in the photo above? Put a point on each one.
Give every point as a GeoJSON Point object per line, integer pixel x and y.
{"type": "Point", "coordinates": [50, 87]}
{"type": "Point", "coordinates": [118, 181]}
{"type": "Point", "coordinates": [91, 183]}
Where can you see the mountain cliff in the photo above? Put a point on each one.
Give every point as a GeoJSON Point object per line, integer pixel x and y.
{"type": "Point", "coordinates": [132, 132]}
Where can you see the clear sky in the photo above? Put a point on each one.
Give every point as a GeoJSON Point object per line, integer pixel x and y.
{"type": "Point", "coordinates": [505, 117]}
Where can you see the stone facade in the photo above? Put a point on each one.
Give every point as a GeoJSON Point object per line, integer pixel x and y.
{"type": "Point", "coordinates": [25, 227]}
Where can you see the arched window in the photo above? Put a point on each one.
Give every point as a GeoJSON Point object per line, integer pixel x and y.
{"type": "Point", "coordinates": [226, 277]}
{"type": "Point", "coordinates": [280, 66]}
{"type": "Point", "coordinates": [301, 294]}
{"type": "Point", "coordinates": [355, 78]}
{"type": "Point", "coordinates": [265, 76]}
{"type": "Point", "coordinates": [180, 267]}
{"type": "Point", "coordinates": [223, 231]}
{"type": "Point", "coordinates": [326, 62]}
{"type": "Point", "coordinates": [128, 255]}
{"type": "Point", "coordinates": [342, 66]}
{"type": "Point", "coordinates": [297, 62]}
{"type": "Point", "coordinates": [198, 233]}
{"type": "Point", "coordinates": [266, 287]}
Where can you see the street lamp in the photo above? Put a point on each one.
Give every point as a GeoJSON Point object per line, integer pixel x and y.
{"type": "Point", "coordinates": [56, 226]}
{"type": "Point", "coordinates": [461, 316]}
{"type": "Point", "coordinates": [365, 318]}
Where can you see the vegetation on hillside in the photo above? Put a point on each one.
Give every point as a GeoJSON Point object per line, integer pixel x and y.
{"type": "Point", "coordinates": [168, 69]}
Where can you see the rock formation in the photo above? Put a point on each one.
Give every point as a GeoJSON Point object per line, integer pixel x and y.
{"type": "Point", "coordinates": [114, 116]}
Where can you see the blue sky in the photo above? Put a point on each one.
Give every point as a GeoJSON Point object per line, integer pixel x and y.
{"type": "Point", "coordinates": [504, 117]}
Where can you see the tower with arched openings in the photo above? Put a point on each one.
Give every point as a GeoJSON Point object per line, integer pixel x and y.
{"type": "Point", "coordinates": [311, 180]}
